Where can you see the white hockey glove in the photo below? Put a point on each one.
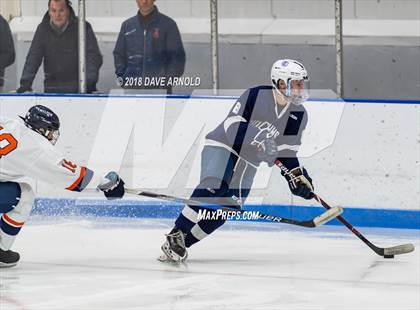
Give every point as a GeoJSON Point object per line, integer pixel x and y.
{"type": "Point", "coordinates": [112, 186]}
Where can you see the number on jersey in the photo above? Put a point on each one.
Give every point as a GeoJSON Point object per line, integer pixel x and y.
{"type": "Point", "coordinates": [8, 143]}
{"type": "Point", "coordinates": [236, 108]}
{"type": "Point", "coordinates": [69, 165]}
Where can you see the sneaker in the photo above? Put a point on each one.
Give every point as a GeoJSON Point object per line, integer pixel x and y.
{"type": "Point", "coordinates": [173, 248]}
{"type": "Point", "coordinates": [8, 258]}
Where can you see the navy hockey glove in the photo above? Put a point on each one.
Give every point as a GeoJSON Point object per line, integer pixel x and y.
{"type": "Point", "coordinates": [267, 151]}
{"type": "Point", "coordinates": [300, 183]}
{"type": "Point", "coordinates": [112, 186]}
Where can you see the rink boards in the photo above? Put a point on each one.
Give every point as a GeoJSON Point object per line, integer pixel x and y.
{"type": "Point", "coordinates": [362, 155]}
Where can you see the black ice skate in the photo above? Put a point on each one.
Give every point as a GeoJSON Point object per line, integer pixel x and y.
{"type": "Point", "coordinates": [8, 258]}
{"type": "Point", "coordinates": [174, 250]}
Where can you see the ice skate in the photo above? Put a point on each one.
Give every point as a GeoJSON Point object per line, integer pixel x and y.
{"type": "Point", "coordinates": [8, 258]}
{"type": "Point", "coordinates": [173, 248]}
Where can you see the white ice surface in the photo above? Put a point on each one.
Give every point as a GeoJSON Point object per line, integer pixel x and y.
{"type": "Point", "coordinates": [111, 264]}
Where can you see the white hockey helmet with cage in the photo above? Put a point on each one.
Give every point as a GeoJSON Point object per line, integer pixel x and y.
{"type": "Point", "coordinates": [289, 70]}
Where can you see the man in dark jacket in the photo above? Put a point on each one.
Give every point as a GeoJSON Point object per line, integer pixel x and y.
{"type": "Point", "coordinates": [149, 46]}
{"type": "Point", "coordinates": [56, 43]}
{"type": "Point", "coordinates": [7, 49]}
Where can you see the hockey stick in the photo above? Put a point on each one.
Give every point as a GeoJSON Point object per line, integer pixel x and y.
{"type": "Point", "coordinates": [385, 252]}
{"type": "Point", "coordinates": [314, 222]}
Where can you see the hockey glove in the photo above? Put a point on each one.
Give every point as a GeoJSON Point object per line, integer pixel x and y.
{"type": "Point", "coordinates": [112, 186]}
{"type": "Point", "coordinates": [300, 183]}
{"type": "Point", "coordinates": [267, 151]}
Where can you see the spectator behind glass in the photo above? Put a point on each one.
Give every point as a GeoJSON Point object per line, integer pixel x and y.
{"type": "Point", "coordinates": [7, 49]}
{"type": "Point", "coordinates": [149, 45]}
{"type": "Point", "coordinates": [56, 43]}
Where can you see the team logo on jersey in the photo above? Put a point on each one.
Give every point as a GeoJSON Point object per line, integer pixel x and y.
{"type": "Point", "coordinates": [267, 130]}
{"type": "Point", "coordinates": [285, 63]}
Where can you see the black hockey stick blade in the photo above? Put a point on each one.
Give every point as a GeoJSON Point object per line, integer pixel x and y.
{"type": "Point", "coordinates": [315, 222]}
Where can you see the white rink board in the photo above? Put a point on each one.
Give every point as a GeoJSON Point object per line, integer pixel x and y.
{"type": "Point", "coordinates": [370, 161]}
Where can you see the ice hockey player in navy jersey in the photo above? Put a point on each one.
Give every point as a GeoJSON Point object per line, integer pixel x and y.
{"type": "Point", "coordinates": [27, 149]}
{"type": "Point", "coordinates": [265, 124]}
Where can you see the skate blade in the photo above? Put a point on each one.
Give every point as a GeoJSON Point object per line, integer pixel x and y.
{"type": "Point", "coordinates": [328, 216]}
{"type": "Point", "coordinates": [7, 265]}
{"type": "Point", "coordinates": [166, 260]}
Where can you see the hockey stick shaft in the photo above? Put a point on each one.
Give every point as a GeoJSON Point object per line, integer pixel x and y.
{"type": "Point", "coordinates": [317, 221]}
{"type": "Point", "coordinates": [391, 251]}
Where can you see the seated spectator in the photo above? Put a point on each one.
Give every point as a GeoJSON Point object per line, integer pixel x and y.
{"type": "Point", "coordinates": [7, 49]}
{"type": "Point", "coordinates": [149, 46]}
{"type": "Point", "coordinates": [56, 43]}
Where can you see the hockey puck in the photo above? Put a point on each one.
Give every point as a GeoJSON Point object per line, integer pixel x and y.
{"type": "Point", "coordinates": [388, 256]}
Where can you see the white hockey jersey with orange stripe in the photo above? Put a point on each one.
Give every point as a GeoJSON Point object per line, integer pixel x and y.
{"type": "Point", "coordinates": [25, 153]}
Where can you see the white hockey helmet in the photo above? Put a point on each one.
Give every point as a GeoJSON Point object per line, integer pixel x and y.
{"type": "Point", "coordinates": [289, 70]}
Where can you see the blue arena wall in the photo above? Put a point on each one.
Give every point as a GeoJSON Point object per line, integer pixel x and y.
{"type": "Point", "coordinates": [385, 218]}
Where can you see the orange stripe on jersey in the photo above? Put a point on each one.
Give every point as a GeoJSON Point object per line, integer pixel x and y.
{"type": "Point", "coordinates": [79, 179]}
{"type": "Point", "coordinates": [9, 221]}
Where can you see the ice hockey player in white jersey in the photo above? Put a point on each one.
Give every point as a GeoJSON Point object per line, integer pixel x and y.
{"type": "Point", "coordinates": [27, 149]}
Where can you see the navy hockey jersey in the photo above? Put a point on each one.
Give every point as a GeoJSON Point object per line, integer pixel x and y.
{"type": "Point", "coordinates": [256, 116]}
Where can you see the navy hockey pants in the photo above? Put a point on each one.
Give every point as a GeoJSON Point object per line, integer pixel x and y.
{"type": "Point", "coordinates": [225, 180]}
{"type": "Point", "coordinates": [9, 196]}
